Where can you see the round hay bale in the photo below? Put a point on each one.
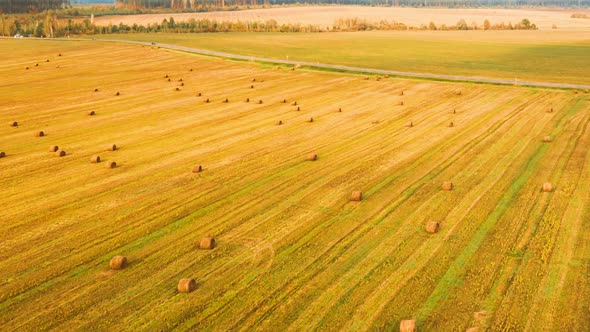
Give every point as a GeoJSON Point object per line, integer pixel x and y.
{"type": "Point", "coordinates": [59, 54]}
{"type": "Point", "coordinates": [356, 196]}
{"type": "Point", "coordinates": [226, 100]}
{"type": "Point", "coordinates": [451, 124]}
{"type": "Point", "coordinates": [284, 101]}
{"type": "Point", "coordinates": [39, 133]}
{"type": "Point", "coordinates": [447, 186]}
{"type": "Point", "coordinates": [95, 89]}
{"type": "Point", "coordinates": [36, 65]}
{"type": "Point", "coordinates": [407, 326]}
{"type": "Point", "coordinates": [199, 94]}
{"type": "Point", "coordinates": [182, 84]}
{"type": "Point", "coordinates": [53, 148]}
{"type": "Point", "coordinates": [253, 80]}
{"type": "Point", "coordinates": [432, 227]}
{"type": "Point", "coordinates": [278, 123]}
{"type": "Point", "coordinates": [169, 80]}
{"type": "Point", "coordinates": [310, 119]}
{"type": "Point", "coordinates": [110, 164]}
{"type": "Point", "coordinates": [550, 110]}
{"type": "Point", "coordinates": [118, 262]}
{"type": "Point", "coordinates": [401, 93]}
{"type": "Point", "coordinates": [91, 113]}
{"type": "Point", "coordinates": [197, 169]}
{"type": "Point", "coordinates": [547, 187]}
{"type": "Point", "coordinates": [13, 124]}
{"type": "Point", "coordinates": [366, 78]}
{"type": "Point", "coordinates": [401, 103]}
{"type": "Point", "coordinates": [459, 93]}
{"type": "Point", "coordinates": [186, 285]}
{"type": "Point", "coordinates": [585, 90]}
{"type": "Point", "coordinates": [207, 100]}
{"type": "Point", "coordinates": [454, 111]}
{"type": "Point", "coordinates": [180, 80]}
{"type": "Point", "coordinates": [339, 109]}
{"type": "Point", "coordinates": [166, 76]}
{"type": "Point", "coordinates": [27, 67]}
{"type": "Point", "coordinates": [312, 157]}
{"type": "Point", "coordinates": [410, 124]}
{"type": "Point", "coordinates": [575, 92]}
{"type": "Point", "coordinates": [547, 139]}
{"type": "Point", "coordinates": [2, 154]}
{"type": "Point", "coordinates": [60, 153]}
{"type": "Point", "coordinates": [112, 147]}
{"type": "Point", "coordinates": [207, 243]}
{"type": "Point", "coordinates": [294, 103]}
{"type": "Point", "coordinates": [298, 109]}
{"type": "Point", "coordinates": [191, 69]}
{"type": "Point", "coordinates": [260, 101]}
{"type": "Point", "coordinates": [251, 86]}
{"type": "Point", "coordinates": [378, 78]}
{"type": "Point", "coordinates": [177, 89]}
{"type": "Point", "coordinates": [118, 93]}
{"type": "Point", "coordinates": [95, 159]}
{"type": "Point", "coordinates": [247, 100]}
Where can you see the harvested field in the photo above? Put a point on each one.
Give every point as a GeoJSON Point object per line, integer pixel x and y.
{"type": "Point", "coordinates": [294, 252]}
{"type": "Point", "coordinates": [325, 16]}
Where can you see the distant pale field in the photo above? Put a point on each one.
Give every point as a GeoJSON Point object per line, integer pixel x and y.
{"type": "Point", "coordinates": [552, 56]}
{"type": "Point", "coordinates": [325, 16]}
{"type": "Point", "coordinates": [294, 254]}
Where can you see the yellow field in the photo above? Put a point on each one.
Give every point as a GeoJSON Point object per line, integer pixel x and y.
{"type": "Point", "coordinates": [325, 16]}
{"type": "Point", "coordinates": [293, 252]}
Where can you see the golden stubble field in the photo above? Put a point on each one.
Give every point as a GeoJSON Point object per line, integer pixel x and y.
{"type": "Point", "coordinates": [293, 252]}
{"type": "Point", "coordinates": [325, 16]}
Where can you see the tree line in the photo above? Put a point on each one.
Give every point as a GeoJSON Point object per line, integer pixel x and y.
{"type": "Point", "coordinates": [26, 6]}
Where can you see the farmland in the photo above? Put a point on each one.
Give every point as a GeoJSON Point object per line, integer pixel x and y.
{"type": "Point", "coordinates": [554, 56]}
{"type": "Point", "coordinates": [294, 253]}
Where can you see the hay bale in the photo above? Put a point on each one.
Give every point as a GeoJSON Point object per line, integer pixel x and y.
{"type": "Point", "coordinates": [410, 124]}
{"type": "Point", "coordinates": [182, 84]}
{"type": "Point", "coordinates": [432, 227]}
{"type": "Point", "coordinates": [177, 89]}
{"type": "Point", "coordinates": [166, 76]}
{"type": "Point", "coordinates": [401, 103]}
{"type": "Point", "coordinates": [47, 60]}
{"type": "Point", "coordinates": [550, 110]}
{"type": "Point", "coordinates": [312, 157]}
{"type": "Point", "coordinates": [547, 139]}
{"type": "Point", "coordinates": [251, 86]}
{"type": "Point", "coordinates": [226, 100]}
{"type": "Point", "coordinates": [375, 122]}
{"type": "Point", "coordinates": [310, 119]}
{"type": "Point", "coordinates": [95, 89]}
{"type": "Point", "coordinates": [91, 113]}
{"type": "Point", "coordinates": [199, 94]}
{"type": "Point", "coordinates": [451, 124]}
{"type": "Point", "coordinates": [253, 80]}
{"type": "Point", "coordinates": [112, 147]}
{"type": "Point", "coordinates": [36, 65]}
{"type": "Point", "coordinates": [366, 78]}
{"type": "Point", "coordinates": [339, 109]}
{"type": "Point", "coordinates": [356, 196]}
{"type": "Point", "coordinates": [401, 93]}
{"type": "Point", "coordinates": [454, 111]}
{"type": "Point", "coordinates": [60, 153]}
{"type": "Point", "coordinates": [207, 243]}
{"type": "Point", "coordinates": [294, 103]}
{"type": "Point", "coordinates": [197, 169]}
{"type": "Point", "coordinates": [247, 100]}
{"type": "Point", "coordinates": [298, 109]}
{"type": "Point", "coordinates": [207, 100]}
{"type": "Point", "coordinates": [278, 123]}
{"type": "Point", "coordinates": [2, 154]}
{"type": "Point", "coordinates": [186, 285]}
{"type": "Point", "coordinates": [27, 67]}
{"type": "Point", "coordinates": [53, 148]}
{"type": "Point", "coordinates": [118, 262]}
{"type": "Point", "coordinates": [585, 90]}
{"type": "Point", "coordinates": [191, 69]}
{"type": "Point", "coordinates": [59, 54]}
{"type": "Point", "coordinates": [13, 124]}
{"type": "Point", "coordinates": [39, 133]}
{"type": "Point", "coordinates": [547, 187]}
{"type": "Point", "coordinates": [180, 80]}
{"type": "Point", "coordinates": [408, 325]}
{"type": "Point", "coordinates": [260, 101]}
{"type": "Point", "coordinates": [447, 186]}
{"type": "Point", "coordinates": [169, 80]}
{"type": "Point", "coordinates": [110, 164]}
{"type": "Point", "coordinates": [95, 159]}
{"type": "Point", "coordinates": [118, 93]}
{"type": "Point", "coordinates": [284, 101]}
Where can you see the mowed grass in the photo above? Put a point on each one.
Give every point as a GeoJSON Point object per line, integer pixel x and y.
{"type": "Point", "coordinates": [524, 55]}
{"type": "Point", "coordinates": [293, 253]}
